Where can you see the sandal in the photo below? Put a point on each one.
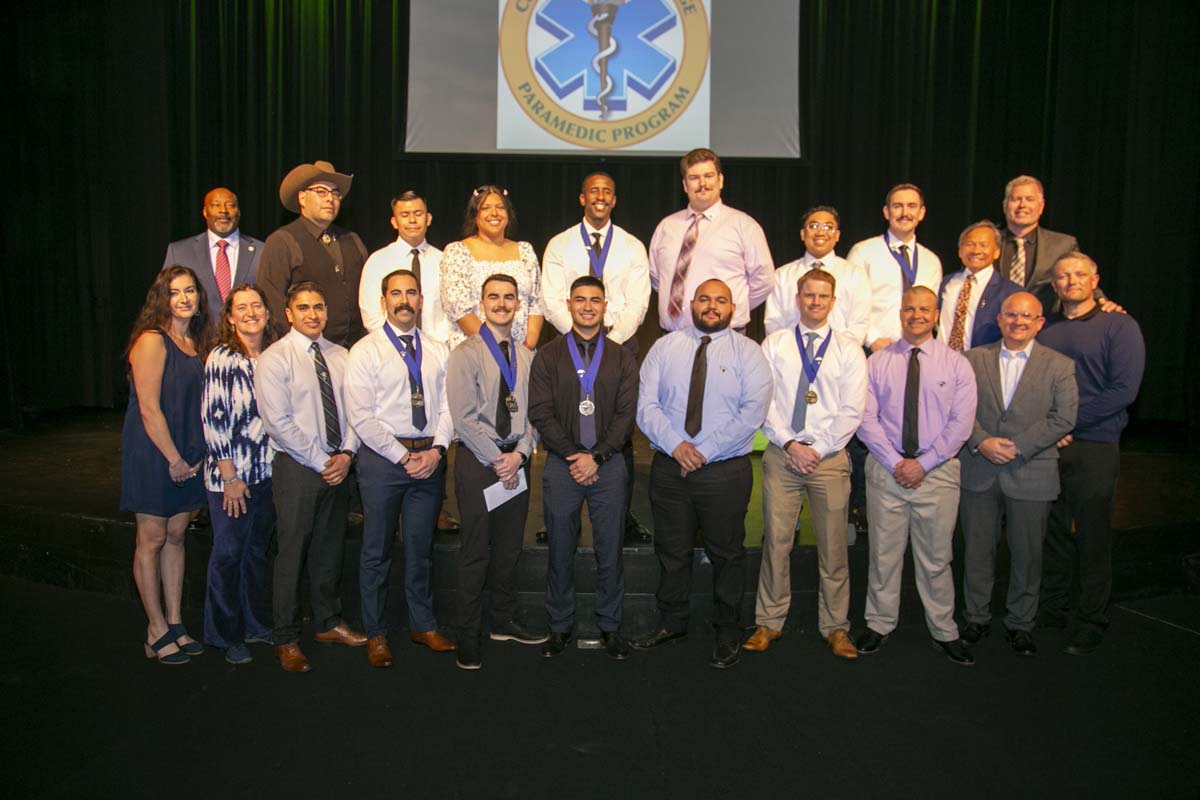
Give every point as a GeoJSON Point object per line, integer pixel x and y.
{"type": "Point", "coordinates": [168, 638]}
{"type": "Point", "coordinates": [177, 630]}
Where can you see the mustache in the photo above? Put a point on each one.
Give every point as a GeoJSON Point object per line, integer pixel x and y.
{"type": "Point", "coordinates": [403, 307]}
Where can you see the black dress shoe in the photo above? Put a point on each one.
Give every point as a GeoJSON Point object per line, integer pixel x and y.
{"type": "Point", "coordinates": [515, 631]}
{"type": "Point", "coordinates": [615, 645]}
{"type": "Point", "coordinates": [1085, 641]}
{"type": "Point", "coordinates": [725, 655]}
{"type": "Point", "coordinates": [635, 532]}
{"type": "Point", "coordinates": [972, 632]}
{"type": "Point", "coordinates": [555, 645]}
{"type": "Point", "coordinates": [1021, 642]}
{"type": "Point", "coordinates": [956, 652]}
{"type": "Point", "coordinates": [869, 641]}
{"type": "Point", "coordinates": [660, 636]}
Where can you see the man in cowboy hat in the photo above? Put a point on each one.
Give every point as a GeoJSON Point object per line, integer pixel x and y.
{"type": "Point", "coordinates": [312, 248]}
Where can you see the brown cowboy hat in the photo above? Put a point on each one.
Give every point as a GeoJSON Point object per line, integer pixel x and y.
{"type": "Point", "coordinates": [306, 175]}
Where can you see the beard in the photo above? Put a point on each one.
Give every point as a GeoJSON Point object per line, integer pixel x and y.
{"type": "Point", "coordinates": [710, 327]}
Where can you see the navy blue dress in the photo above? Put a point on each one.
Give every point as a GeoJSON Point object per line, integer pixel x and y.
{"type": "Point", "coordinates": [146, 485]}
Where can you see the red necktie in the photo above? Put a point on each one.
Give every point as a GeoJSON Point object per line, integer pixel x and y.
{"type": "Point", "coordinates": [224, 274]}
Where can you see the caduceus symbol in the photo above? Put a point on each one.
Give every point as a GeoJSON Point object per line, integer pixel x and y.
{"type": "Point", "coordinates": [604, 12]}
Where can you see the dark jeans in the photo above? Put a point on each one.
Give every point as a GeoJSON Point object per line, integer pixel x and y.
{"type": "Point", "coordinates": [387, 492]}
{"type": "Point", "coordinates": [1088, 472]}
{"type": "Point", "coordinates": [235, 603]}
{"type": "Point", "coordinates": [311, 532]}
{"type": "Point", "coordinates": [562, 501]}
{"type": "Point", "coordinates": [712, 500]}
{"type": "Point", "coordinates": [489, 545]}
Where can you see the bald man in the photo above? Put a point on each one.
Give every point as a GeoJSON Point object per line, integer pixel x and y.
{"type": "Point", "coordinates": [222, 257]}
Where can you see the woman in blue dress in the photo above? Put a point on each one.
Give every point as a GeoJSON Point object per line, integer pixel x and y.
{"type": "Point", "coordinates": [238, 478]}
{"type": "Point", "coordinates": [162, 450]}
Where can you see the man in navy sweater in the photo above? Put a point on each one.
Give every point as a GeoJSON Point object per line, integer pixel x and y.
{"type": "Point", "coordinates": [1110, 356]}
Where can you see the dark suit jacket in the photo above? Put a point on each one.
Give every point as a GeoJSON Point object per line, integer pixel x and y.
{"type": "Point", "coordinates": [1051, 246]}
{"type": "Point", "coordinates": [1042, 411]}
{"type": "Point", "coordinates": [193, 253]}
{"type": "Point", "coordinates": [984, 329]}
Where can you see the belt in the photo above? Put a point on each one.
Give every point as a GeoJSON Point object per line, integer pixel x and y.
{"type": "Point", "coordinates": [416, 444]}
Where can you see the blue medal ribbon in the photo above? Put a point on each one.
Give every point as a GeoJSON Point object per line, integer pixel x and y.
{"type": "Point", "coordinates": [412, 360]}
{"type": "Point", "coordinates": [508, 372]}
{"type": "Point", "coordinates": [598, 261]}
{"type": "Point", "coordinates": [911, 274]}
{"type": "Point", "coordinates": [587, 378]}
{"type": "Point", "coordinates": [811, 367]}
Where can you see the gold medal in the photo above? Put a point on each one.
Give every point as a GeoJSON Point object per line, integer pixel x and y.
{"type": "Point", "coordinates": [811, 397]}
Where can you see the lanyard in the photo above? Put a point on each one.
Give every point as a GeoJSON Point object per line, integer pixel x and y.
{"type": "Point", "coordinates": [508, 372]}
{"type": "Point", "coordinates": [411, 359]}
{"type": "Point", "coordinates": [811, 367]}
{"type": "Point", "coordinates": [587, 378]}
{"type": "Point", "coordinates": [598, 261]}
{"type": "Point", "coordinates": [911, 274]}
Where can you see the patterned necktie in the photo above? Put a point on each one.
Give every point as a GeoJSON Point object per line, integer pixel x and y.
{"type": "Point", "coordinates": [907, 268]}
{"type": "Point", "coordinates": [333, 428]}
{"type": "Point", "coordinates": [675, 307]}
{"type": "Point", "coordinates": [1016, 270]}
{"type": "Point", "coordinates": [419, 419]}
{"type": "Point", "coordinates": [224, 272]}
{"type": "Point", "coordinates": [800, 409]}
{"type": "Point", "coordinates": [416, 270]}
{"type": "Point", "coordinates": [958, 330]}
{"type": "Point", "coordinates": [693, 419]}
{"type": "Point", "coordinates": [503, 415]}
{"type": "Point", "coordinates": [910, 431]}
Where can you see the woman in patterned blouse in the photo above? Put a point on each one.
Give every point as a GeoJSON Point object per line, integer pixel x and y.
{"type": "Point", "coordinates": [238, 478]}
{"type": "Point", "coordinates": [486, 250]}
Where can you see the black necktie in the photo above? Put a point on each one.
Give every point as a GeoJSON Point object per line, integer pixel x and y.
{"type": "Point", "coordinates": [587, 422]}
{"type": "Point", "coordinates": [910, 434]}
{"type": "Point", "coordinates": [416, 270]}
{"type": "Point", "coordinates": [415, 394]}
{"type": "Point", "coordinates": [596, 250]}
{"type": "Point", "coordinates": [907, 268]}
{"type": "Point", "coordinates": [503, 415]}
{"type": "Point", "coordinates": [333, 428]}
{"type": "Point", "coordinates": [694, 419]}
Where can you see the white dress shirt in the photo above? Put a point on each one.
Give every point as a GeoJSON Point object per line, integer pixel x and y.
{"type": "Point", "coordinates": [887, 286]}
{"type": "Point", "coordinates": [289, 398]}
{"type": "Point", "coordinates": [626, 278]}
{"type": "Point", "coordinates": [231, 250]}
{"type": "Point", "coordinates": [378, 398]}
{"type": "Point", "coordinates": [398, 255]}
{"type": "Point", "coordinates": [949, 303]}
{"type": "Point", "coordinates": [730, 246]}
{"type": "Point", "coordinates": [841, 388]}
{"type": "Point", "coordinates": [852, 311]}
{"type": "Point", "coordinates": [1012, 367]}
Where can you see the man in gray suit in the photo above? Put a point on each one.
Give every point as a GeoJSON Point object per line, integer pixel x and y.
{"type": "Point", "coordinates": [222, 257]}
{"type": "Point", "coordinates": [1029, 251]}
{"type": "Point", "coordinates": [1027, 402]}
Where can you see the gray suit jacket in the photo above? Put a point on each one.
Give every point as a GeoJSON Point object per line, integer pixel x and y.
{"type": "Point", "coordinates": [1051, 246]}
{"type": "Point", "coordinates": [1042, 411]}
{"type": "Point", "coordinates": [192, 252]}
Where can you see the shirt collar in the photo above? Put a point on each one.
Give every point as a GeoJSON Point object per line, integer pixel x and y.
{"type": "Point", "coordinates": [587, 226]}
{"type": "Point", "coordinates": [821, 332]}
{"type": "Point", "coordinates": [423, 246]}
{"type": "Point", "coordinates": [809, 259]}
{"type": "Point", "coordinates": [981, 277]}
{"type": "Point", "coordinates": [1023, 352]}
{"type": "Point", "coordinates": [302, 342]}
{"type": "Point", "coordinates": [232, 238]}
{"type": "Point", "coordinates": [314, 230]}
{"type": "Point", "coordinates": [894, 244]}
{"type": "Point", "coordinates": [711, 213]}
{"type": "Point", "coordinates": [399, 332]}
{"type": "Point", "coordinates": [696, 333]}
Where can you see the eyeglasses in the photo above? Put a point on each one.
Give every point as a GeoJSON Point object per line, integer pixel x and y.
{"type": "Point", "coordinates": [322, 192]}
{"type": "Point", "coordinates": [821, 226]}
{"type": "Point", "coordinates": [1024, 316]}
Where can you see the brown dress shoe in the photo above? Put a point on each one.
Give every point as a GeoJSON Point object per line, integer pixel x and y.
{"type": "Point", "coordinates": [841, 645]}
{"type": "Point", "coordinates": [433, 640]}
{"type": "Point", "coordinates": [446, 521]}
{"type": "Point", "coordinates": [342, 634]}
{"type": "Point", "coordinates": [761, 639]}
{"type": "Point", "coordinates": [291, 658]}
{"type": "Point", "coordinates": [378, 652]}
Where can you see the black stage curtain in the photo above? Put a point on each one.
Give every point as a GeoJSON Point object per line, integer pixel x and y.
{"type": "Point", "coordinates": [124, 113]}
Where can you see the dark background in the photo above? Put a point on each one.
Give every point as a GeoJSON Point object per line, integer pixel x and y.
{"type": "Point", "coordinates": [122, 114]}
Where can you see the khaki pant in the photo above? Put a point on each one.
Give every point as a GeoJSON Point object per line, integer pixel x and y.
{"type": "Point", "coordinates": [828, 490]}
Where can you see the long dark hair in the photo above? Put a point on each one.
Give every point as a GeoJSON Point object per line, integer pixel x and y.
{"type": "Point", "coordinates": [227, 335]}
{"type": "Point", "coordinates": [470, 227]}
{"type": "Point", "coordinates": [156, 312]}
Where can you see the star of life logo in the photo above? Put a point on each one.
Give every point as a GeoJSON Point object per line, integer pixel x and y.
{"type": "Point", "coordinates": [604, 74]}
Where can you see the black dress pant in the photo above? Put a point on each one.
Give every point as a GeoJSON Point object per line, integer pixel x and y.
{"type": "Point", "coordinates": [489, 545]}
{"type": "Point", "coordinates": [1079, 533]}
{"type": "Point", "coordinates": [713, 500]}
{"type": "Point", "coordinates": [311, 531]}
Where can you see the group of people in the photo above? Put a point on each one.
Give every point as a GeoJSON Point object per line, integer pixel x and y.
{"type": "Point", "coordinates": [285, 370]}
